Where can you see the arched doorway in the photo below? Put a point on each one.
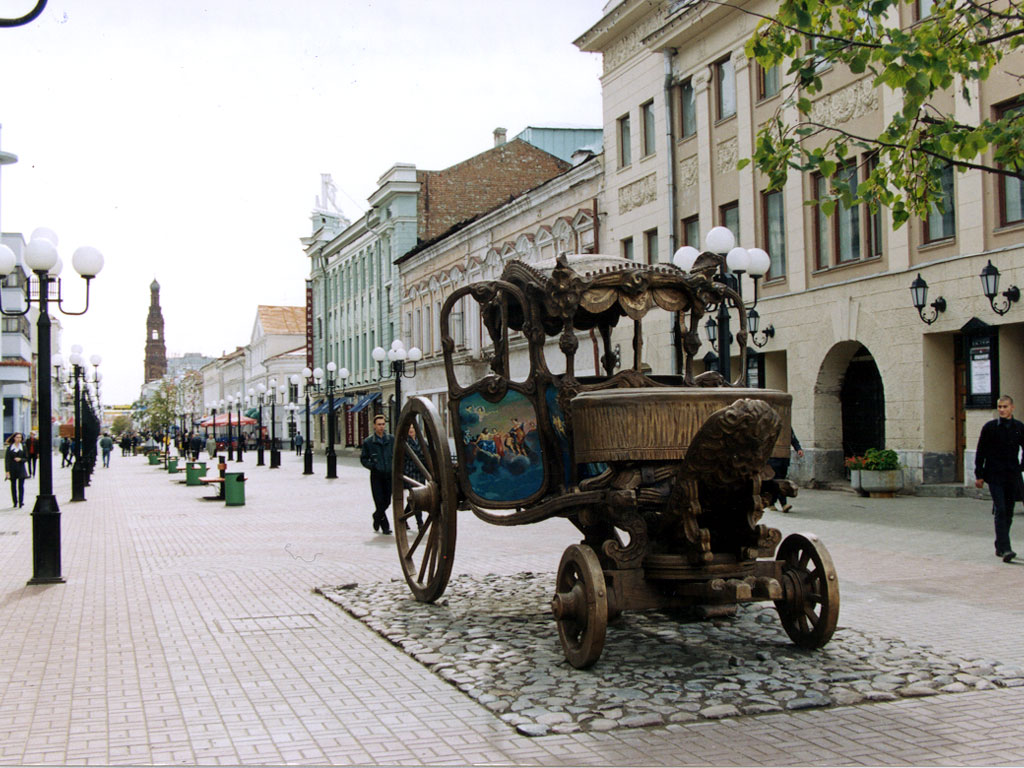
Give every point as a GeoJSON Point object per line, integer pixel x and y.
{"type": "Point", "coordinates": [849, 408]}
{"type": "Point", "coordinates": [863, 404]}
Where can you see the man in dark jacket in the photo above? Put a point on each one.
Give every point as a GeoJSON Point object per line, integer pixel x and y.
{"type": "Point", "coordinates": [997, 462]}
{"type": "Point", "coordinates": [377, 454]}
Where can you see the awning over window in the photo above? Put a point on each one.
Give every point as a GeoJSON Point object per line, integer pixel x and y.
{"type": "Point", "coordinates": [364, 401]}
{"type": "Point", "coordinates": [253, 413]}
{"type": "Point", "coordinates": [322, 406]}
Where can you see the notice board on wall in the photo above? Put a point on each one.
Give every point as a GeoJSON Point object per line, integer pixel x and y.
{"type": "Point", "coordinates": [981, 353]}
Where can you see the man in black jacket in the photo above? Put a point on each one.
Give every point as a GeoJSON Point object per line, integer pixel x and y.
{"type": "Point", "coordinates": [377, 455]}
{"type": "Point", "coordinates": [997, 462]}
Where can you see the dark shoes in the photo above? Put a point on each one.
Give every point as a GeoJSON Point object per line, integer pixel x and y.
{"type": "Point", "coordinates": [787, 507]}
{"type": "Point", "coordinates": [1008, 556]}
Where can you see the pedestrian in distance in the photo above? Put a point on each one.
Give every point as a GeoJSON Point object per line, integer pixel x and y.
{"type": "Point", "coordinates": [16, 468]}
{"type": "Point", "coordinates": [997, 462]}
{"type": "Point", "coordinates": [32, 447]}
{"type": "Point", "coordinates": [298, 443]}
{"type": "Point", "coordinates": [781, 468]}
{"type": "Point", "coordinates": [196, 445]}
{"type": "Point", "coordinates": [376, 455]}
{"type": "Point", "coordinates": [106, 445]}
{"type": "Point", "coordinates": [211, 447]}
{"type": "Point", "coordinates": [412, 471]}
{"type": "Point", "coordinates": [65, 452]}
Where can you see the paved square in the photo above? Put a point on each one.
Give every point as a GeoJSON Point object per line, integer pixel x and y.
{"type": "Point", "coordinates": [189, 632]}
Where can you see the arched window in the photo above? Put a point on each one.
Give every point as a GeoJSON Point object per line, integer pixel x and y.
{"type": "Point", "coordinates": [583, 225]}
{"type": "Point", "coordinates": [565, 242]}
{"type": "Point", "coordinates": [545, 243]}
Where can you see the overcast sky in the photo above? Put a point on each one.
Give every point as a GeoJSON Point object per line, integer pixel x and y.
{"type": "Point", "coordinates": [186, 139]}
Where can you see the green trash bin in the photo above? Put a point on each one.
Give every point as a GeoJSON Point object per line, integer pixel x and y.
{"type": "Point", "coordinates": [172, 465]}
{"type": "Point", "coordinates": [193, 471]}
{"type": "Point", "coordinates": [234, 489]}
{"type": "Point", "coordinates": [154, 458]}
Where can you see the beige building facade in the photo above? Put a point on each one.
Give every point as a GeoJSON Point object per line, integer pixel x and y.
{"type": "Point", "coordinates": [682, 104]}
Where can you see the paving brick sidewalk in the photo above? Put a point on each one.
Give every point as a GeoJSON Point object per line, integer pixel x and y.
{"type": "Point", "coordinates": [188, 632]}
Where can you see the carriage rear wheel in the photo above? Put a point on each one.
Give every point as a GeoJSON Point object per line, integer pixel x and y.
{"type": "Point", "coordinates": [580, 606]}
{"type": "Point", "coordinates": [424, 496]}
{"type": "Point", "coordinates": [809, 608]}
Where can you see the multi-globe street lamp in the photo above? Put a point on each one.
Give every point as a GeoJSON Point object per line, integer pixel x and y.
{"type": "Point", "coordinates": [733, 261]}
{"type": "Point", "coordinates": [256, 397]}
{"type": "Point", "coordinates": [328, 386]}
{"type": "Point", "coordinates": [307, 456]}
{"type": "Point", "coordinates": [240, 451]}
{"type": "Point", "coordinates": [42, 258]}
{"type": "Point", "coordinates": [275, 452]}
{"type": "Point", "coordinates": [397, 357]}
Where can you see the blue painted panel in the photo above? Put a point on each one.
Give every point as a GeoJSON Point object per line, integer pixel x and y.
{"type": "Point", "coordinates": [501, 450]}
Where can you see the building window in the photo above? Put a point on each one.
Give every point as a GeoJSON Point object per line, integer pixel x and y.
{"type": "Point", "coordinates": [725, 88]}
{"type": "Point", "coordinates": [651, 246]}
{"type": "Point", "coordinates": [822, 243]}
{"type": "Point", "coordinates": [1011, 190]}
{"type": "Point", "coordinates": [923, 9]}
{"type": "Point", "coordinates": [647, 115]}
{"type": "Point", "coordinates": [769, 81]}
{"type": "Point", "coordinates": [729, 217]}
{"type": "Point", "coordinates": [873, 242]}
{"type": "Point", "coordinates": [687, 110]}
{"type": "Point", "coordinates": [941, 223]}
{"type": "Point", "coordinates": [774, 217]}
{"type": "Point", "coordinates": [625, 150]}
{"type": "Point", "coordinates": [627, 248]}
{"type": "Point", "coordinates": [691, 231]}
{"type": "Point", "coordinates": [847, 219]}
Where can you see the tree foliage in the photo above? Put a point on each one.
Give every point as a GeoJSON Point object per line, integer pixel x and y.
{"type": "Point", "coordinates": [122, 423]}
{"type": "Point", "coordinates": [956, 46]}
{"type": "Point", "coordinates": [161, 406]}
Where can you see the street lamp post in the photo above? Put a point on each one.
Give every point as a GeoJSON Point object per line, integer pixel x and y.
{"type": "Point", "coordinates": [78, 466]}
{"type": "Point", "coordinates": [41, 257]}
{"type": "Point", "coordinates": [239, 453]}
{"type": "Point", "coordinates": [257, 398]}
{"type": "Point", "coordinates": [397, 357]}
{"type": "Point", "coordinates": [307, 456]}
{"type": "Point", "coordinates": [275, 454]}
{"type": "Point", "coordinates": [226, 407]}
{"type": "Point", "coordinates": [733, 261]}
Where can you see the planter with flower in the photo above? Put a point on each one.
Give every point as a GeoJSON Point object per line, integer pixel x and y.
{"type": "Point", "coordinates": [877, 473]}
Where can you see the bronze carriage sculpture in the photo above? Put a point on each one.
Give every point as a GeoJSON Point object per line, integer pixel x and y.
{"type": "Point", "coordinates": [662, 474]}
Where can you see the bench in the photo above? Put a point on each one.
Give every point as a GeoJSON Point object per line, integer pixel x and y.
{"type": "Point", "coordinates": [220, 491]}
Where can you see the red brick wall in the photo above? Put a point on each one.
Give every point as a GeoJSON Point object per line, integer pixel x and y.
{"type": "Point", "coordinates": [481, 183]}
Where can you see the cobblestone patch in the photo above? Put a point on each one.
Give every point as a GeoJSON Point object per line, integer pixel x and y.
{"type": "Point", "coordinates": [493, 637]}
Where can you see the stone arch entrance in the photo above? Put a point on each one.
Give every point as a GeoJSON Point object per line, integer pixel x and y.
{"type": "Point", "coordinates": [849, 408]}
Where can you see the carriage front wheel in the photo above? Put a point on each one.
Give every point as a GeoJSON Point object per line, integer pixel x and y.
{"type": "Point", "coordinates": [580, 605]}
{"type": "Point", "coordinates": [809, 608]}
{"type": "Point", "coordinates": [424, 496]}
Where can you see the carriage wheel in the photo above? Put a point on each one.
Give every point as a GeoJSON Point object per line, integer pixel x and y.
{"type": "Point", "coordinates": [809, 608]}
{"type": "Point", "coordinates": [426, 551]}
{"type": "Point", "coordinates": [580, 606]}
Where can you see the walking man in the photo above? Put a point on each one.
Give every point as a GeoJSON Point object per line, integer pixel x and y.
{"type": "Point", "coordinates": [32, 446]}
{"type": "Point", "coordinates": [298, 443]}
{"type": "Point", "coordinates": [376, 456]}
{"type": "Point", "coordinates": [997, 462]}
{"type": "Point", "coordinates": [106, 445]}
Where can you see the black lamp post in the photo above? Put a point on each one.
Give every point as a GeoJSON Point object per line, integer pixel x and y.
{"type": "Point", "coordinates": [225, 406]}
{"type": "Point", "coordinates": [733, 261]}
{"type": "Point", "coordinates": [990, 287]}
{"type": "Point", "coordinates": [212, 406]}
{"type": "Point", "coordinates": [328, 387]}
{"type": "Point", "coordinates": [307, 456]}
{"type": "Point", "coordinates": [78, 471]}
{"type": "Point", "coordinates": [397, 358]}
{"type": "Point", "coordinates": [41, 257]}
{"type": "Point", "coordinates": [240, 452]}
{"type": "Point", "coordinates": [275, 454]}
{"type": "Point", "coordinates": [257, 400]}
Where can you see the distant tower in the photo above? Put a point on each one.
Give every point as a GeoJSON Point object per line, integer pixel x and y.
{"type": "Point", "coordinates": [156, 352]}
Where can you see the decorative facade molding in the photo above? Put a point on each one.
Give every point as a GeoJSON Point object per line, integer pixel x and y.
{"type": "Point", "coordinates": [849, 103]}
{"type": "Point", "coordinates": [688, 173]}
{"type": "Point", "coordinates": [638, 193]}
{"type": "Point", "coordinates": [726, 156]}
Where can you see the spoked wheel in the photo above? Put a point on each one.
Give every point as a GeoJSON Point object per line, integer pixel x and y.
{"type": "Point", "coordinates": [580, 606]}
{"type": "Point", "coordinates": [809, 608]}
{"type": "Point", "coordinates": [423, 484]}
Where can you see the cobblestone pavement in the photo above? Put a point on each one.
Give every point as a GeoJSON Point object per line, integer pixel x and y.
{"type": "Point", "coordinates": [189, 632]}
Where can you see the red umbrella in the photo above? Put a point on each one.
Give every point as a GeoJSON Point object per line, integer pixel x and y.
{"type": "Point", "coordinates": [222, 420]}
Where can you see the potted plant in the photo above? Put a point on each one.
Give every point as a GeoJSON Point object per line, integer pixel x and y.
{"type": "Point", "coordinates": [881, 475]}
{"type": "Point", "coordinates": [856, 465]}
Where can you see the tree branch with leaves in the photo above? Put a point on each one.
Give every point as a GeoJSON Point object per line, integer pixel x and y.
{"type": "Point", "coordinates": [959, 44]}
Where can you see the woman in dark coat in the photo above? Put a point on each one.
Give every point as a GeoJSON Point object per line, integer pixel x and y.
{"type": "Point", "coordinates": [411, 469]}
{"type": "Point", "coordinates": [16, 468]}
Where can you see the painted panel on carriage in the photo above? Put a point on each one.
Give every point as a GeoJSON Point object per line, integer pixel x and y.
{"type": "Point", "coordinates": [557, 417]}
{"type": "Point", "coordinates": [500, 447]}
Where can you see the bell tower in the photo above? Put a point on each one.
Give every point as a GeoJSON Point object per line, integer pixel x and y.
{"type": "Point", "coordinates": [156, 352]}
